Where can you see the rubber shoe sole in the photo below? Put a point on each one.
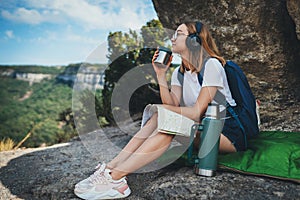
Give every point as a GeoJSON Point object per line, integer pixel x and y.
{"type": "Point", "coordinates": [110, 194]}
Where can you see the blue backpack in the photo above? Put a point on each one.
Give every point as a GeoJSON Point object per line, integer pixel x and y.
{"type": "Point", "coordinates": [241, 93]}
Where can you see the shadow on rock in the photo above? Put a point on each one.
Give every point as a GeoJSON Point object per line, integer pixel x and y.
{"type": "Point", "coordinates": [46, 174]}
{"type": "Point", "coordinates": [52, 172]}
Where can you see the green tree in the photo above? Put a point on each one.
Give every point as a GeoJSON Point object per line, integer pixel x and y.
{"type": "Point", "coordinates": [154, 34]}
{"type": "Point", "coordinates": [67, 126]}
{"type": "Point", "coordinates": [18, 117]}
{"type": "Point", "coordinates": [126, 51]}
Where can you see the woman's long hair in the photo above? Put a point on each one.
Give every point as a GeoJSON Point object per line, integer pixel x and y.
{"type": "Point", "coordinates": [207, 49]}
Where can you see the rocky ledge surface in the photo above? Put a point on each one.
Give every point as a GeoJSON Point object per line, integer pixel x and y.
{"type": "Point", "coordinates": [52, 172]}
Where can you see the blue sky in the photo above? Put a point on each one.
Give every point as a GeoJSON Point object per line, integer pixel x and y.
{"type": "Point", "coordinates": [60, 32]}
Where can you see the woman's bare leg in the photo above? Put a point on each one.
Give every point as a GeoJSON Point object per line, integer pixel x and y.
{"type": "Point", "coordinates": [146, 146]}
{"type": "Point", "coordinates": [137, 140]}
{"type": "Point", "coordinates": [152, 148]}
{"type": "Point", "coordinates": [226, 145]}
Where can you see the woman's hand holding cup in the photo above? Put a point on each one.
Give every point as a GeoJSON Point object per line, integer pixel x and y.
{"type": "Point", "coordinates": [161, 60]}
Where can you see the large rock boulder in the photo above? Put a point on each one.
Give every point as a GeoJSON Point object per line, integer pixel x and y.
{"type": "Point", "coordinates": [262, 36]}
{"type": "Point", "coordinates": [52, 172]}
{"type": "Point", "coordinates": [294, 11]}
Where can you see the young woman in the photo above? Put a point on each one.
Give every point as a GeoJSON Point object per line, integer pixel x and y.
{"type": "Point", "coordinates": [193, 42]}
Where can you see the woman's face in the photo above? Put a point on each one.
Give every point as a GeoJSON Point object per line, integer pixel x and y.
{"type": "Point", "coordinates": [178, 40]}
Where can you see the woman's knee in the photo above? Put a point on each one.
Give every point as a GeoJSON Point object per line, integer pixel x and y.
{"type": "Point", "coordinates": [152, 122]}
{"type": "Point", "coordinates": [153, 119]}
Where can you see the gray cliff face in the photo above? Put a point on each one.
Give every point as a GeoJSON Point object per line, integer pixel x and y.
{"type": "Point", "coordinates": [32, 77]}
{"type": "Point", "coordinates": [89, 77]}
{"type": "Point", "coordinates": [294, 11]}
{"type": "Point", "coordinates": [250, 32]}
{"type": "Point", "coordinates": [262, 36]}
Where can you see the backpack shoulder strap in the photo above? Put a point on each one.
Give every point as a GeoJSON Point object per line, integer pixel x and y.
{"type": "Point", "coordinates": [201, 73]}
{"type": "Point", "coordinates": [180, 76]}
{"type": "Point", "coordinates": [219, 97]}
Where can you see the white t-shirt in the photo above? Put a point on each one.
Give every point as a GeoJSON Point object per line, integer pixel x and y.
{"type": "Point", "coordinates": [214, 75]}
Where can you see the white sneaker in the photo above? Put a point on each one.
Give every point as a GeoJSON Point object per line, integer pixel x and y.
{"type": "Point", "coordinates": [85, 184]}
{"type": "Point", "coordinates": [100, 185]}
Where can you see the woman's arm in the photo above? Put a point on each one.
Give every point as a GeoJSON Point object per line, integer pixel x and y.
{"type": "Point", "coordinates": [197, 111]}
{"type": "Point", "coordinates": [168, 97]}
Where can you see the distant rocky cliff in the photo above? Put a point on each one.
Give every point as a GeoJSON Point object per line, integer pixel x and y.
{"type": "Point", "coordinates": [32, 77]}
{"type": "Point", "coordinates": [87, 74]}
{"type": "Point", "coordinates": [90, 76]}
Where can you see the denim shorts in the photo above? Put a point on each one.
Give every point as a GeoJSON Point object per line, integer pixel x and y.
{"type": "Point", "coordinates": [234, 133]}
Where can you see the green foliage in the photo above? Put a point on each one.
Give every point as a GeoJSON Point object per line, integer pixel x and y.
{"type": "Point", "coordinates": [68, 129]}
{"type": "Point", "coordinates": [11, 89]}
{"type": "Point", "coordinates": [120, 44]}
{"type": "Point", "coordinates": [86, 110]}
{"type": "Point", "coordinates": [39, 113]}
{"type": "Point", "coordinates": [46, 112]}
{"type": "Point", "coordinates": [37, 69]}
{"type": "Point", "coordinates": [154, 34]}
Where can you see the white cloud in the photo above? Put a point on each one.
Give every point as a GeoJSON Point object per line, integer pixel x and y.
{"type": "Point", "coordinates": [76, 27]}
{"type": "Point", "coordinates": [32, 16]}
{"type": "Point", "coordinates": [121, 14]}
{"type": "Point", "coordinates": [23, 15]}
{"type": "Point", "coordinates": [82, 39]}
{"type": "Point", "coordinates": [9, 34]}
{"type": "Point", "coordinates": [51, 37]}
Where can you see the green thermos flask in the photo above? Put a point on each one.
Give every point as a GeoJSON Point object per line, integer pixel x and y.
{"type": "Point", "coordinates": [210, 128]}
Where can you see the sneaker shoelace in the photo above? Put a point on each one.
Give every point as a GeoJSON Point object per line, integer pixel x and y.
{"type": "Point", "coordinates": [100, 167]}
{"type": "Point", "coordinates": [98, 176]}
